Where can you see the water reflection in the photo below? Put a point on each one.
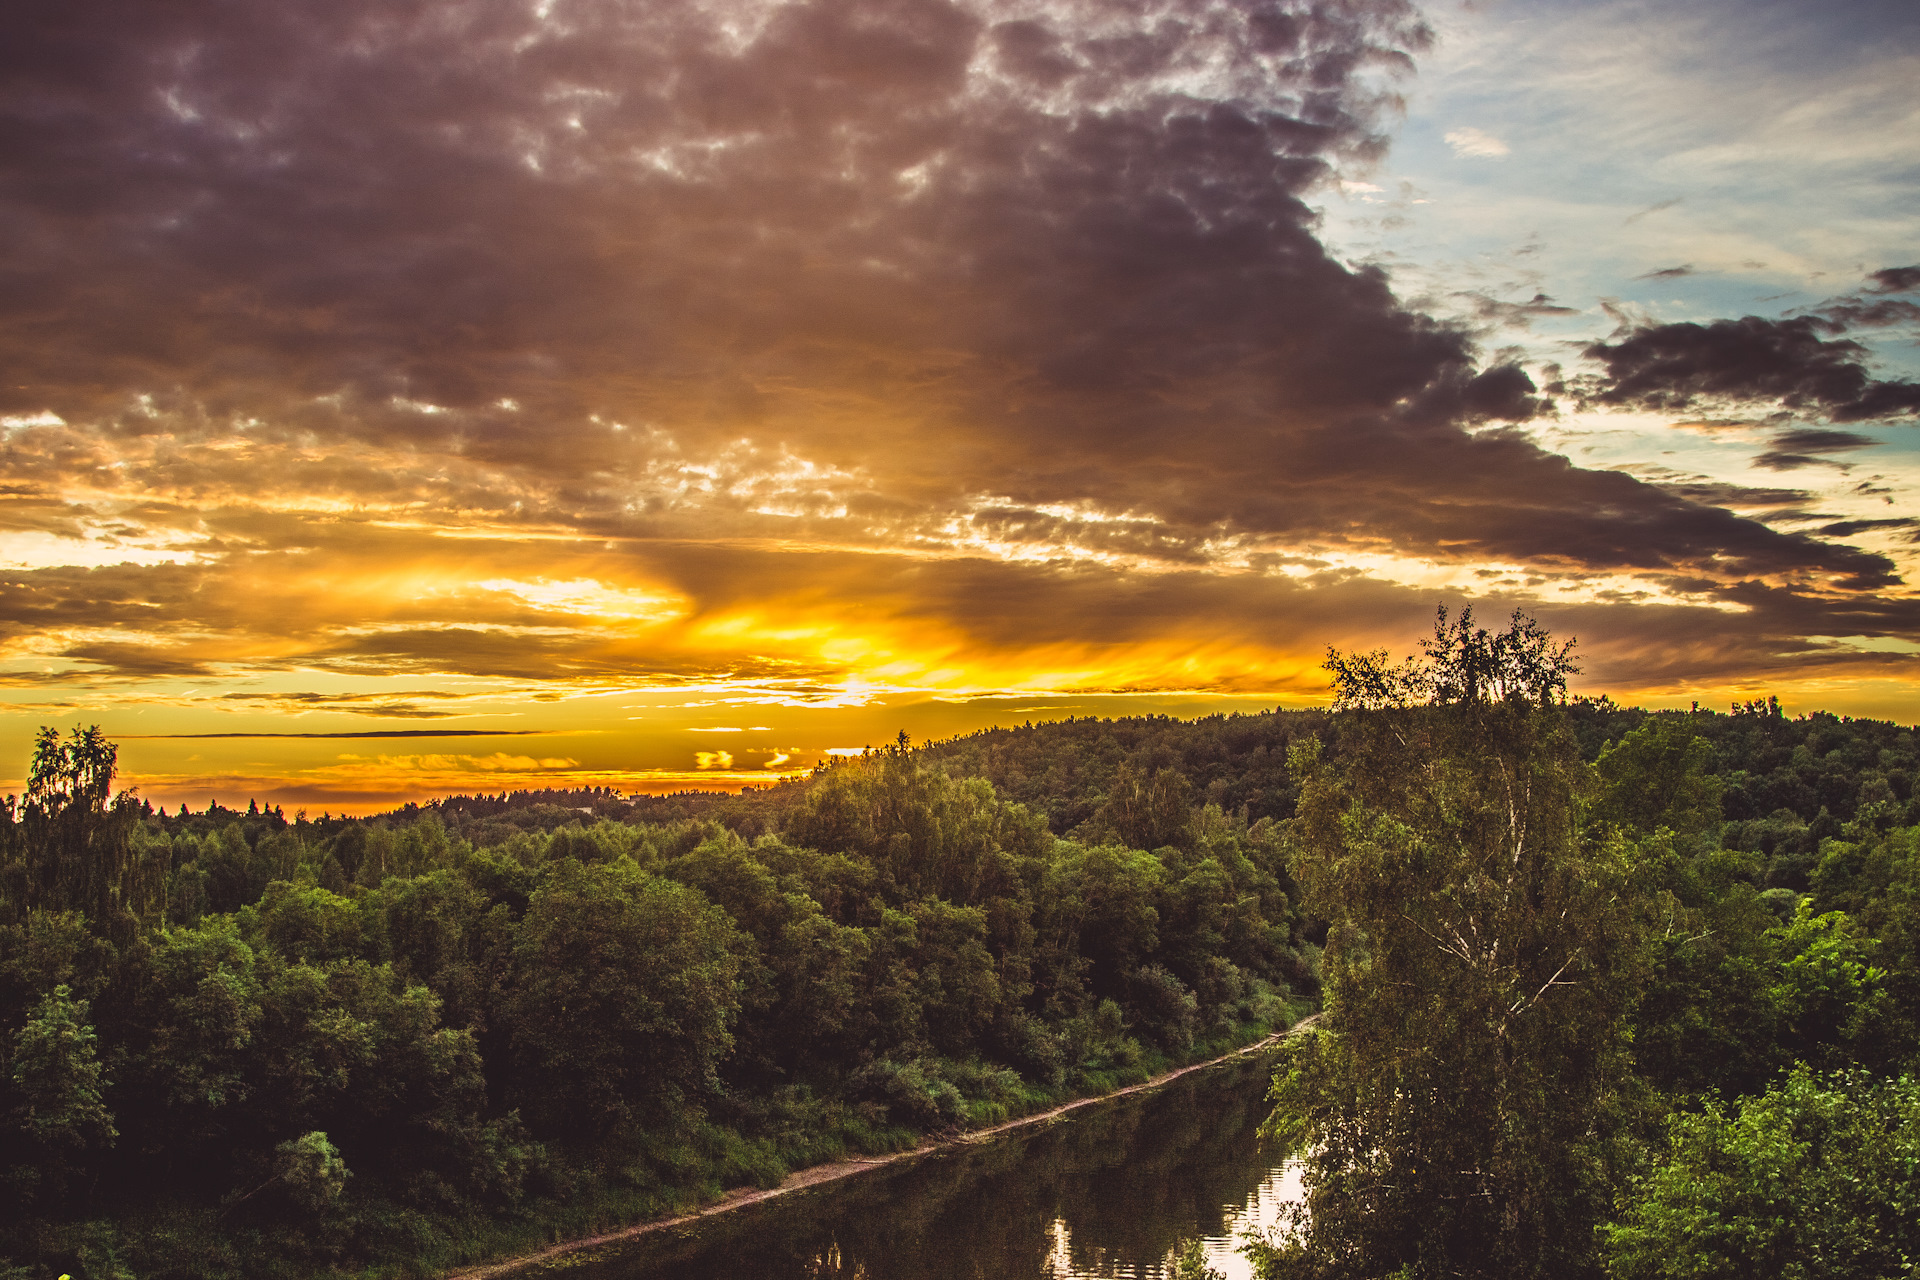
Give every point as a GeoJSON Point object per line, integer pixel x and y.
{"type": "Point", "coordinates": [1260, 1212]}
{"type": "Point", "coordinates": [1105, 1192]}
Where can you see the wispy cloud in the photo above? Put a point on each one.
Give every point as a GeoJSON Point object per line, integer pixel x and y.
{"type": "Point", "coordinates": [1659, 206]}
{"type": "Point", "coordinates": [1475, 144]}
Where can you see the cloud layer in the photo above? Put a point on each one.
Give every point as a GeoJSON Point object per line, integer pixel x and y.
{"type": "Point", "coordinates": [1679, 367]}
{"type": "Point", "coordinates": [584, 342]}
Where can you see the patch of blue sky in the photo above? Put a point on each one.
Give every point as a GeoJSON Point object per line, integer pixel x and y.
{"type": "Point", "coordinates": [1720, 158]}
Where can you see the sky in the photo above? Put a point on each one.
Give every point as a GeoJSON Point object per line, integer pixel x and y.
{"type": "Point", "coordinates": [411, 398]}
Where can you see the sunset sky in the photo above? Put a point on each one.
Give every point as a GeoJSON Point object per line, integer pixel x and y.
{"type": "Point", "coordinates": [411, 397]}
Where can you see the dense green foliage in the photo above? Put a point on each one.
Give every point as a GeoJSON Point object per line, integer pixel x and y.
{"type": "Point", "coordinates": [1817, 1177]}
{"type": "Point", "coordinates": [1479, 979]}
{"type": "Point", "coordinates": [1564, 949]}
{"type": "Point", "coordinates": [238, 1045]}
{"type": "Point", "coordinates": [1103, 777]}
{"type": "Point", "coordinates": [1580, 960]}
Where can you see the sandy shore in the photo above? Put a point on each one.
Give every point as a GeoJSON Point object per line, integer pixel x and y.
{"type": "Point", "coordinates": [819, 1173]}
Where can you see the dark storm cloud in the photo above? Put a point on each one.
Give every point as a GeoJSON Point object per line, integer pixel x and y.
{"type": "Point", "coordinates": [1676, 366]}
{"type": "Point", "coordinates": [406, 207]}
{"type": "Point", "coordinates": [514, 258]}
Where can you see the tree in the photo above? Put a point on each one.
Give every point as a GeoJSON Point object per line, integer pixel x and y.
{"type": "Point", "coordinates": [1659, 776]}
{"type": "Point", "coordinates": [311, 1170]}
{"type": "Point", "coordinates": [1149, 813]}
{"type": "Point", "coordinates": [623, 992]}
{"type": "Point", "coordinates": [58, 1085]}
{"type": "Point", "coordinates": [1832, 1000]}
{"type": "Point", "coordinates": [308, 1170]}
{"type": "Point", "coordinates": [1189, 1260]}
{"type": "Point", "coordinates": [800, 984]}
{"type": "Point", "coordinates": [1462, 664]}
{"type": "Point", "coordinates": [1814, 1178]}
{"type": "Point", "coordinates": [925, 834]}
{"type": "Point", "coordinates": [70, 848]}
{"type": "Point", "coordinates": [1481, 960]}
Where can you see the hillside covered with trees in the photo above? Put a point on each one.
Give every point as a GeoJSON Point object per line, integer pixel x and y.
{"type": "Point", "coordinates": [240, 1046]}
{"type": "Point", "coordinates": [1598, 982]}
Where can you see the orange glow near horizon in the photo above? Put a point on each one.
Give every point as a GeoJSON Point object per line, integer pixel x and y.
{"type": "Point", "coordinates": [715, 699]}
{"type": "Point", "coordinates": [671, 395]}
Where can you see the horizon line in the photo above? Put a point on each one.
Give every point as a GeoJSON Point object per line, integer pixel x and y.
{"type": "Point", "coordinates": [364, 733]}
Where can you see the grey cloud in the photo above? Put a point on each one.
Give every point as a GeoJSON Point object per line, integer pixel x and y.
{"type": "Point", "coordinates": [1796, 515]}
{"type": "Point", "coordinates": [1879, 313]}
{"type": "Point", "coordinates": [1750, 360]}
{"type": "Point", "coordinates": [1793, 450]}
{"type": "Point", "coordinates": [1054, 253]}
{"type": "Point", "coordinates": [1763, 634]}
{"type": "Point", "coordinates": [1895, 280]}
{"type": "Point", "coordinates": [1783, 460]}
{"type": "Point", "coordinates": [982, 607]}
{"type": "Point", "coordinates": [411, 705]}
{"type": "Point", "coordinates": [1848, 528]}
{"type": "Point", "coordinates": [1871, 308]}
{"type": "Point", "coordinates": [1518, 314]}
{"type": "Point", "coordinates": [1821, 440]}
{"type": "Point", "coordinates": [1720, 494]}
{"type": "Point", "coordinates": [1652, 209]}
{"type": "Point", "coordinates": [1720, 424]}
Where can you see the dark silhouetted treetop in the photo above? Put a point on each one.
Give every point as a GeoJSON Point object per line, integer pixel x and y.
{"type": "Point", "coordinates": [1462, 665]}
{"type": "Point", "coordinates": [67, 845]}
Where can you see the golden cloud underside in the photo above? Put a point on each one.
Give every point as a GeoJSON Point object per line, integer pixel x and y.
{"type": "Point", "coordinates": [584, 369]}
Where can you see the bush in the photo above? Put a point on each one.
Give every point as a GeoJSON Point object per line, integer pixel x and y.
{"type": "Point", "coordinates": [1814, 1178]}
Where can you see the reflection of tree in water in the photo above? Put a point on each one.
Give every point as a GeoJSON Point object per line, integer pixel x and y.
{"type": "Point", "coordinates": [1130, 1179]}
{"type": "Point", "coordinates": [1193, 1155]}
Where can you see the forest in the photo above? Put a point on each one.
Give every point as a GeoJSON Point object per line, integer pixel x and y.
{"type": "Point", "coordinates": [237, 1045]}
{"type": "Point", "coordinates": [1605, 991]}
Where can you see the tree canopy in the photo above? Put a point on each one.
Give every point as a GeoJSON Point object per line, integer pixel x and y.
{"type": "Point", "coordinates": [1571, 1008]}
{"type": "Point", "coordinates": [1565, 949]}
{"type": "Point", "coordinates": [1461, 664]}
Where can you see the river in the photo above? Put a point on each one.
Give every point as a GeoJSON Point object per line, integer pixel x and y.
{"type": "Point", "coordinates": [1104, 1191]}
